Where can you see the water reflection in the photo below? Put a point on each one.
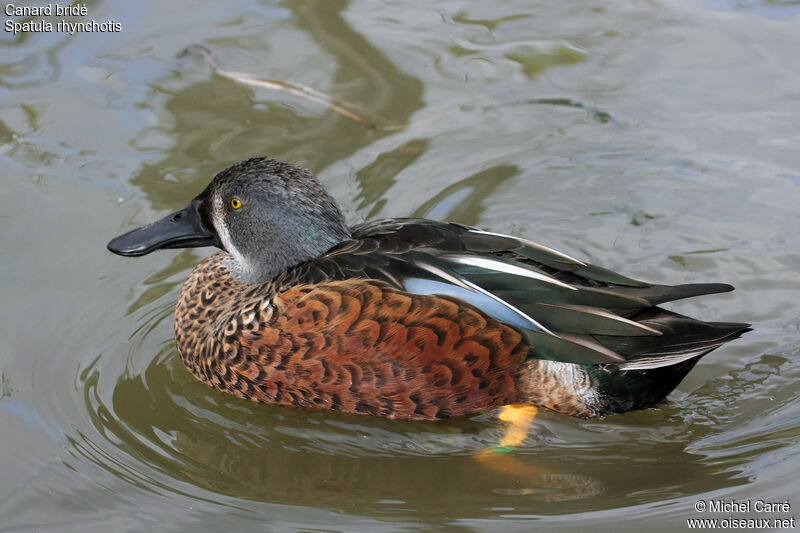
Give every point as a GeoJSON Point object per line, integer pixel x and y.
{"type": "Point", "coordinates": [222, 122]}
{"type": "Point", "coordinates": [378, 177]}
{"type": "Point", "coordinates": [175, 425]}
{"type": "Point", "coordinates": [464, 201]}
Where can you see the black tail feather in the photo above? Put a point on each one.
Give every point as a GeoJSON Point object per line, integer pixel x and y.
{"type": "Point", "coordinates": [658, 294]}
{"type": "Point", "coordinates": [655, 369]}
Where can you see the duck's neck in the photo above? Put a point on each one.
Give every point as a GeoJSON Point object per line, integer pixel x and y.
{"type": "Point", "coordinates": [264, 263]}
{"type": "Point", "coordinates": [245, 271]}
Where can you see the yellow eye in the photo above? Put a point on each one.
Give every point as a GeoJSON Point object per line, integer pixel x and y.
{"type": "Point", "coordinates": [236, 203]}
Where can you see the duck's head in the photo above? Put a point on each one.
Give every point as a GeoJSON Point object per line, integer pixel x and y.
{"type": "Point", "coordinates": [268, 215]}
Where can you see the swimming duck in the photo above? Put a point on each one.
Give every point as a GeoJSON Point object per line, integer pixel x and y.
{"type": "Point", "coordinates": [410, 318]}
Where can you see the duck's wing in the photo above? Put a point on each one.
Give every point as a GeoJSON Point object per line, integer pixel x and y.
{"type": "Point", "coordinates": [568, 310]}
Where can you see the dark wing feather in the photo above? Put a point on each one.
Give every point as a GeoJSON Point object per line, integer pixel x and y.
{"type": "Point", "coordinates": [682, 338]}
{"type": "Point", "coordinates": [567, 309]}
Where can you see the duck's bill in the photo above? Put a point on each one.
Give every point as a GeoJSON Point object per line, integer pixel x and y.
{"type": "Point", "coordinates": [181, 229]}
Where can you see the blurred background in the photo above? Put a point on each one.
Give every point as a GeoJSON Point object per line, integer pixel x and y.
{"type": "Point", "coordinates": [659, 139]}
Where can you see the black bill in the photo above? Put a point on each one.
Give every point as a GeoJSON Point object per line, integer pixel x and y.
{"type": "Point", "coordinates": [181, 229]}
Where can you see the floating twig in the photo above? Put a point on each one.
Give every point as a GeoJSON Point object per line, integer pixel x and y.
{"type": "Point", "coordinates": [334, 104]}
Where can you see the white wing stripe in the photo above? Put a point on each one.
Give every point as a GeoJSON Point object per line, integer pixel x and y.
{"type": "Point", "coordinates": [533, 245]}
{"type": "Point", "coordinates": [506, 268]}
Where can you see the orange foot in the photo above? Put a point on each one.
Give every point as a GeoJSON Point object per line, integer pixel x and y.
{"type": "Point", "coordinates": [519, 417]}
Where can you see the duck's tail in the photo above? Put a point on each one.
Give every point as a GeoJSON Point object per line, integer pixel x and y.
{"type": "Point", "coordinates": [657, 365]}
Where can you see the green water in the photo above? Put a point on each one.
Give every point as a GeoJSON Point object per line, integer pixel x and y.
{"type": "Point", "coordinates": [657, 139]}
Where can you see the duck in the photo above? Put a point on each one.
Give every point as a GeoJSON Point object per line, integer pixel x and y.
{"type": "Point", "coordinates": [410, 318]}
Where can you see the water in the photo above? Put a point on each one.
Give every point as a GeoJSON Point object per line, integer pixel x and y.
{"type": "Point", "coordinates": [657, 139]}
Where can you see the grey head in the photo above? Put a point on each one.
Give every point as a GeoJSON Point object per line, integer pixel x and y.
{"type": "Point", "coordinates": [266, 214]}
{"type": "Point", "coordinates": [270, 215]}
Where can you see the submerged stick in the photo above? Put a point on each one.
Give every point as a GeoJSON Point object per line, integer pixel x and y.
{"type": "Point", "coordinates": [334, 104]}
